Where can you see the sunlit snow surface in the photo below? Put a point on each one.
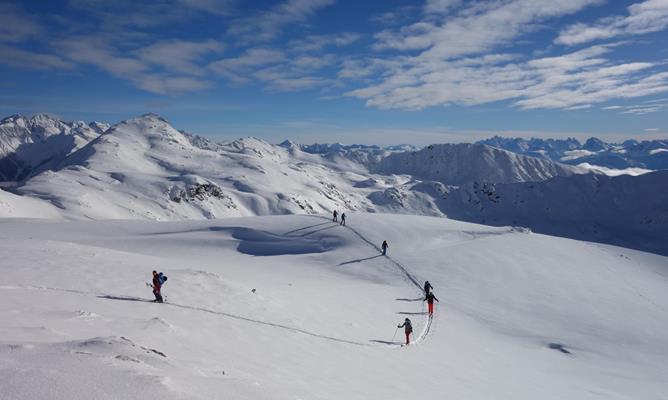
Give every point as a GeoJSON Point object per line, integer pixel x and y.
{"type": "Point", "coordinates": [521, 315]}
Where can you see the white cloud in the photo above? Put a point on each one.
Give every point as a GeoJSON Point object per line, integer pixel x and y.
{"type": "Point", "coordinates": [238, 69]}
{"type": "Point", "coordinates": [179, 56]}
{"type": "Point", "coordinates": [16, 25]}
{"type": "Point", "coordinates": [440, 6]}
{"type": "Point", "coordinates": [477, 28]}
{"type": "Point", "coordinates": [96, 52]}
{"type": "Point", "coordinates": [460, 60]}
{"type": "Point", "coordinates": [572, 80]}
{"type": "Point", "coordinates": [18, 58]}
{"type": "Point", "coordinates": [267, 25]}
{"type": "Point", "coordinates": [165, 84]}
{"type": "Point", "coordinates": [645, 17]}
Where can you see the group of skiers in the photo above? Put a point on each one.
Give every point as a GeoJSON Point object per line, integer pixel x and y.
{"type": "Point", "coordinates": [159, 279]}
{"type": "Point", "coordinates": [336, 217]}
{"type": "Point", "coordinates": [429, 297]}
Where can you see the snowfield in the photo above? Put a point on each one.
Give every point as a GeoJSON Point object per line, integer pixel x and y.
{"type": "Point", "coordinates": [521, 315]}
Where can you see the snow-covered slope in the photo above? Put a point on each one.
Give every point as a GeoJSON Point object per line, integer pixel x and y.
{"type": "Point", "coordinates": [13, 206]}
{"type": "Point", "coordinates": [30, 145]}
{"type": "Point", "coordinates": [144, 168]}
{"type": "Point", "coordinates": [458, 164]}
{"type": "Point", "coordinates": [294, 307]}
{"type": "Point", "coordinates": [626, 210]}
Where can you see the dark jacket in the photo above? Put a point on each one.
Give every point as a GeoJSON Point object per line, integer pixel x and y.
{"type": "Point", "coordinates": [430, 298]}
{"type": "Point", "coordinates": [156, 284]}
{"type": "Point", "coordinates": [408, 327]}
{"type": "Point", "coordinates": [427, 287]}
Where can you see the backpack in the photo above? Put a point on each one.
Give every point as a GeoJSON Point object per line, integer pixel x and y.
{"type": "Point", "coordinates": [162, 278]}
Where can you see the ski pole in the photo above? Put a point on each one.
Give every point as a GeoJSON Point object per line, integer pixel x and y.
{"type": "Point", "coordinates": [395, 334]}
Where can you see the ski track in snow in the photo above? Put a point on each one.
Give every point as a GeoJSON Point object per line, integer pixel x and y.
{"type": "Point", "coordinates": [401, 267]}
{"type": "Point", "coordinates": [201, 309]}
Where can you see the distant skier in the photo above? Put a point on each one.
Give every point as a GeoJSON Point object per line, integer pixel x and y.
{"type": "Point", "coordinates": [336, 215]}
{"type": "Point", "coordinates": [427, 288]}
{"type": "Point", "coordinates": [343, 219]}
{"type": "Point", "coordinates": [384, 246]}
{"type": "Point", "coordinates": [430, 302]}
{"type": "Point", "coordinates": [408, 329]}
{"type": "Point", "coordinates": [158, 280]}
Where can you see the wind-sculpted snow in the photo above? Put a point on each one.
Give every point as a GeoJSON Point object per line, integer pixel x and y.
{"type": "Point", "coordinates": [259, 243]}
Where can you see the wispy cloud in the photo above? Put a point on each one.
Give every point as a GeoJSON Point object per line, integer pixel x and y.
{"type": "Point", "coordinates": [16, 24]}
{"type": "Point", "coordinates": [461, 60]}
{"type": "Point", "coordinates": [477, 28]}
{"type": "Point", "coordinates": [645, 107]}
{"type": "Point", "coordinates": [19, 58]}
{"type": "Point", "coordinates": [267, 25]}
{"type": "Point", "coordinates": [179, 56]}
{"type": "Point", "coordinates": [98, 53]}
{"type": "Point", "coordinates": [237, 69]}
{"type": "Point", "coordinates": [642, 18]}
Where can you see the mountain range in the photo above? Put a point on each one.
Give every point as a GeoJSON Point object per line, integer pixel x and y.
{"type": "Point", "coordinates": [648, 154]}
{"type": "Point", "coordinates": [144, 168]}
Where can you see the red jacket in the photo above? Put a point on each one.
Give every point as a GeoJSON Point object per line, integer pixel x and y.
{"type": "Point", "coordinates": [156, 284]}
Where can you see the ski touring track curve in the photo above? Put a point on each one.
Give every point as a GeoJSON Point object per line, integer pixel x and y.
{"type": "Point", "coordinates": [187, 307]}
{"type": "Point", "coordinates": [421, 337]}
{"type": "Point", "coordinates": [409, 276]}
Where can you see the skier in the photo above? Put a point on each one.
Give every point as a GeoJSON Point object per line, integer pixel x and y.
{"type": "Point", "coordinates": [427, 288]}
{"type": "Point", "coordinates": [384, 247]}
{"type": "Point", "coordinates": [343, 219]}
{"type": "Point", "coordinates": [408, 329]}
{"type": "Point", "coordinates": [157, 284]}
{"type": "Point", "coordinates": [430, 302]}
{"type": "Point", "coordinates": [336, 214]}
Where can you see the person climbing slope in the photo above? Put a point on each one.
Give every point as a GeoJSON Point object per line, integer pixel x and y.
{"type": "Point", "coordinates": [336, 214]}
{"type": "Point", "coordinates": [408, 329]}
{"type": "Point", "coordinates": [157, 285]}
{"type": "Point", "coordinates": [384, 246]}
{"type": "Point", "coordinates": [430, 302]}
{"type": "Point", "coordinates": [343, 219]}
{"type": "Point", "coordinates": [427, 288]}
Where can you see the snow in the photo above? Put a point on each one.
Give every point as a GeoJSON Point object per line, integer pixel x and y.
{"type": "Point", "coordinates": [521, 315]}
{"type": "Point", "coordinates": [31, 145]}
{"type": "Point", "coordinates": [458, 164]}
{"type": "Point", "coordinates": [629, 154]}
{"type": "Point", "coordinates": [575, 154]}
{"type": "Point", "coordinates": [269, 299]}
{"type": "Point", "coordinates": [614, 172]}
{"type": "Point", "coordinates": [13, 206]}
{"type": "Point", "coordinates": [657, 151]}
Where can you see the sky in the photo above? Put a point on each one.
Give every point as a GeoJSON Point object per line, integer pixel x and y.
{"type": "Point", "coordinates": [375, 72]}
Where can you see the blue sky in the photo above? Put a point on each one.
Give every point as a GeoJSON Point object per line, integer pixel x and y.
{"type": "Point", "coordinates": [382, 72]}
